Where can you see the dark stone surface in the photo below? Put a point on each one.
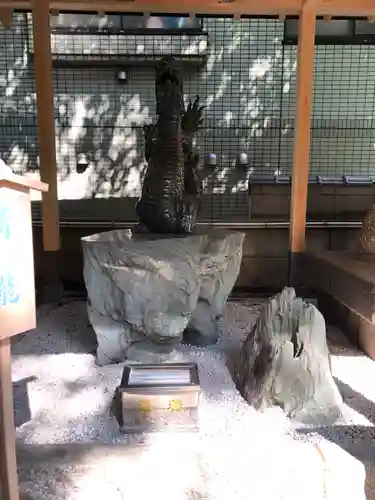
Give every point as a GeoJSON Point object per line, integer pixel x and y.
{"type": "Point", "coordinates": [195, 337]}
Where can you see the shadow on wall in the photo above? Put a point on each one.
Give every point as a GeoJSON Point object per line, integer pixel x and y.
{"type": "Point", "coordinates": [247, 86]}
{"type": "Point", "coordinates": [108, 131]}
{"type": "Point", "coordinates": [18, 142]}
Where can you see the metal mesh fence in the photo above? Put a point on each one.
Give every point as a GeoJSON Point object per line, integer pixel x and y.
{"type": "Point", "coordinates": [236, 67]}
{"type": "Point", "coordinates": [244, 75]}
{"type": "Point", "coordinates": [343, 127]}
{"type": "Point", "coordinates": [18, 144]}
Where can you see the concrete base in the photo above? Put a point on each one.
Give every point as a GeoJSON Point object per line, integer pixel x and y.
{"type": "Point", "coordinates": [346, 289]}
{"type": "Point", "coordinates": [358, 329]}
{"type": "Point", "coordinates": [52, 288]}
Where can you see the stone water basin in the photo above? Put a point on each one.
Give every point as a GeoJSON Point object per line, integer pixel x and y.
{"type": "Point", "coordinates": [147, 292]}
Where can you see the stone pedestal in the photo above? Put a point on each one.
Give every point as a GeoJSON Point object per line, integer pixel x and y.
{"type": "Point", "coordinates": [149, 292]}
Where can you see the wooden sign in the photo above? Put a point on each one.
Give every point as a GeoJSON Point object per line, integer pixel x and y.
{"type": "Point", "coordinates": [17, 307]}
{"type": "Point", "coordinates": [17, 291]}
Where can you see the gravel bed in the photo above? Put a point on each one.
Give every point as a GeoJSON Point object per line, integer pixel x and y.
{"type": "Point", "coordinates": [63, 399]}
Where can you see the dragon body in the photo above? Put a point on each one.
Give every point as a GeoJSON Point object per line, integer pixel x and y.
{"type": "Point", "coordinates": [171, 190]}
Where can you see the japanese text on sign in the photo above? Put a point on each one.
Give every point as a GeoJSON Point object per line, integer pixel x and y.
{"type": "Point", "coordinates": [4, 224]}
{"type": "Point", "coordinates": [8, 292]}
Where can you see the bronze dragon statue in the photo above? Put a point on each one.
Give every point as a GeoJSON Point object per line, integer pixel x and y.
{"type": "Point", "coordinates": [172, 187]}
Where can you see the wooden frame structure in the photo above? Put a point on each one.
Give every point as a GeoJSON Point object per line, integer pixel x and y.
{"type": "Point", "coordinates": [307, 10]}
{"type": "Point", "coordinates": [254, 7]}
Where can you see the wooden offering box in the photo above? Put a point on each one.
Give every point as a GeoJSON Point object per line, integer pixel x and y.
{"type": "Point", "coordinates": [17, 306]}
{"type": "Point", "coordinates": [157, 397]}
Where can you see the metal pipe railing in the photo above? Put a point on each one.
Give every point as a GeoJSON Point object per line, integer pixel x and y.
{"type": "Point", "coordinates": [323, 224]}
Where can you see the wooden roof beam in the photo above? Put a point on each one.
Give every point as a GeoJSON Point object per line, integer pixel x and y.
{"type": "Point", "coordinates": [244, 7]}
{"type": "Point", "coordinates": [6, 17]}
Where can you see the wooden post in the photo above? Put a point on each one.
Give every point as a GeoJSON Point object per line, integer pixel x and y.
{"type": "Point", "coordinates": [8, 463]}
{"type": "Point", "coordinates": [6, 17]}
{"type": "Point", "coordinates": [47, 147]}
{"type": "Point", "coordinates": [305, 72]}
{"type": "Point", "coordinates": [17, 307]}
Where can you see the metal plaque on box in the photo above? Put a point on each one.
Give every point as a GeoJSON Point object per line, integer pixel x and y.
{"type": "Point", "coordinates": [157, 397]}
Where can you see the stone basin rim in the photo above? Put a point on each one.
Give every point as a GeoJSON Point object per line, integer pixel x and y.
{"type": "Point", "coordinates": [135, 237]}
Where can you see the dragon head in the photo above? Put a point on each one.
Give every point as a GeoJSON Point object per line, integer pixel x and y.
{"type": "Point", "coordinates": [168, 88]}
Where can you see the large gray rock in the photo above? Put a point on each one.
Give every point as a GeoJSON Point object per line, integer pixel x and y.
{"type": "Point", "coordinates": [285, 361]}
{"type": "Point", "coordinates": [145, 291]}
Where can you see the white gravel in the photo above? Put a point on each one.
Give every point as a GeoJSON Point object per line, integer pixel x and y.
{"type": "Point", "coordinates": [238, 453]}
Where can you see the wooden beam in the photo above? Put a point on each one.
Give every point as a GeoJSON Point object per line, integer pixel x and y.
{"type": "Point", "coordinates": [305, 72]}
{"type": "Point", "coordinates": [6, 17]}
{"type": "Point", "coordinates": [256, 7]}
{"type": "Point", "coordinates": [46, 123]}
{"type": "Point", "coordinates": [169, 6]}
